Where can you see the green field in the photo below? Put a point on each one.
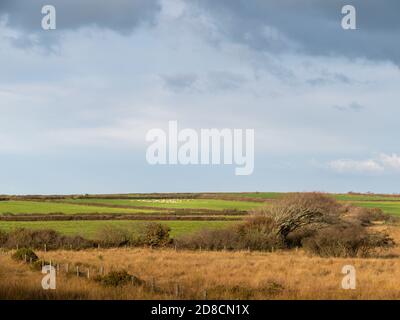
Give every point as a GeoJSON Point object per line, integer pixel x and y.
{"type": "Point", "coordinates": [210, 204]}
{"type": "Point", "coordinates": [32, 207]}
{"type": "Point", "coordinates": [88, 229]}
{"type": "Point", "coordinates": [390, 207]}
{"type": "Point", "coordinates": [92, 205]}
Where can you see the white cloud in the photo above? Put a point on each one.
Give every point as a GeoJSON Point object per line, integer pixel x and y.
{"type": "Point", "coordinates": [380, 164]}
{"type": "Point", "coordinates": [390, 161]}
{"type": "Point", "coordinates": [354, 166]}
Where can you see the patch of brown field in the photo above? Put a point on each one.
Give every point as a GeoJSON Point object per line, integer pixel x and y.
{"type": "Point", "coordinates": [223, 275]}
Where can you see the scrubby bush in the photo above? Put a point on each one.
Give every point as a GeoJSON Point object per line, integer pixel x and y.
{"type": "Point", "coordinates": [209, 239]}
{"type": "Point", "coordinates": [118, 279]}
{"type": "Point", "coordinates": [301, 210]}
{"type": "Point", "coordinates": [25, 254]}
{"type": "Point", "coordinates": [365, 216]}
{"type": "Point", "coordinates": [113, 236]}
{"type": "Point", "coordinates": [154, 235]}
{"type": "Point", "coordinates": [3, 238]}
{"type": "Point", "coordinates": [254, 233]}
{"type": "Point", "coordinates": [36, 239]}
{"type": "Point", "coordinates": [348, 241]}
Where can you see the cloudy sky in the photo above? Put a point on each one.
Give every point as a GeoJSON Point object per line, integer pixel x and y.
{"type": "Point", "coordinates": [76, 102]}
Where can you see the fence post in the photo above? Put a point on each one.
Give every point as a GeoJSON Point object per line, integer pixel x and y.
{"type": "Point", "coordinates": [58, 268]}
{"type": "Point", "coordinates": [153, 285]}
{"type": "Point", "coordinates": [77, 271]}
{"type": "Point", "coordinates": [101, 270]}
{"type": "Point", "coordinates": [25, 258]}
{"type": "Point", "coordinates": [45, 247]}
{"type": "Point", "coordinates": [67, 268]}
{"type": "Point", "coordinates": [88, 273]}
{"type": "Point", "coordinates": [205, 294]}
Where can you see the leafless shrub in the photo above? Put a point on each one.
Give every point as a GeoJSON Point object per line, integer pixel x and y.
{"type": "Point", "coordinates": [346, 241]}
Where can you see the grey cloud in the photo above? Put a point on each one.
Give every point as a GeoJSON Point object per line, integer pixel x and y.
{"type": "Point", "coordinates": [310, 26]}
{"type": "Point", "coordinates": [118, 15]}
{"type": "Point", "coordinates": [328, 78]}
{"type": "Point", "coordinates": [354, 106]}
{"type": "Point", "coordinates": [179, 82]}
{"type": "Point", "coordinates": [214, 81]}
{"type": "Point", "coordinates": [224, 80]}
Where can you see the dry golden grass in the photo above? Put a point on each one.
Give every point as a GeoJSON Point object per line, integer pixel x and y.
{"type": "Point", "coordinates": [223, 275]}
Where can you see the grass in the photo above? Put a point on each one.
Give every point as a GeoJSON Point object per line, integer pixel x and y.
{"type": "Point", "coordinates": [88, 229]}
{"type": "Point", "coordinates": [210, 204]}
{"type": "Point", "coordinates": [365, 197]}
{"type": "Point", "coordinates": [390, 207]}
{"type": "Point", "coordinates": [32, 207]}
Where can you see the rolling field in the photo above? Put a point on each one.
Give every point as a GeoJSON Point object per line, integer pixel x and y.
{"type": "Point", "coordinates": [32, 207]}
{"type": "Point", "coordinates": [209, 204]}
{"type": "Point", "coordinates": [213, 212]}
{"type": "Point", "coordinates": [88, 229]}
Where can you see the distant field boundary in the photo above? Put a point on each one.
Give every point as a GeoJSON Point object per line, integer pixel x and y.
{"type": "Point", "coordinates": [94, 217]}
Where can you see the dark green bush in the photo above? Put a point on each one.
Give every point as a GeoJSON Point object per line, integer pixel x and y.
{"type": "Point", "coordinates": [112, 236]}
{"type": "Point", "coordinates": [25, 253]}
{"type": "Point", "coordinates": [154, 235]}
{"type": "Point", "coordinates": [118, 279]}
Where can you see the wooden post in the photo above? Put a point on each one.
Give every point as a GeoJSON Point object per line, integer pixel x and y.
{"type": "Point", "coordinates": [98, 246]}
{"type": "Point", "coordinates": [67, 268]}
{"type": "Point", "coordinates": [45, 247]}
{"type": "Point", "coordinates": [30, 260]}
{"type": "Point", "coordinates": [153, 285]}
{"type": "Point", "coordinates": [77, 271]}
{"type": "Point", "coordinates": [58, 268]}
{"type": "Point", "coordinates": [101, 270]}
{"type": "Point", "coordinates": [17, 246]}
{"type": "Point", "coordinates": [205, 294]}
{"type": "Point", "coordinates": [25, 258]}
{"type": "Point", "coordinates": [88, 273]}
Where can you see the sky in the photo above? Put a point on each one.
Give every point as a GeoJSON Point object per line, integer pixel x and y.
{"type": "Point", "coordinates": [76, 102]}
